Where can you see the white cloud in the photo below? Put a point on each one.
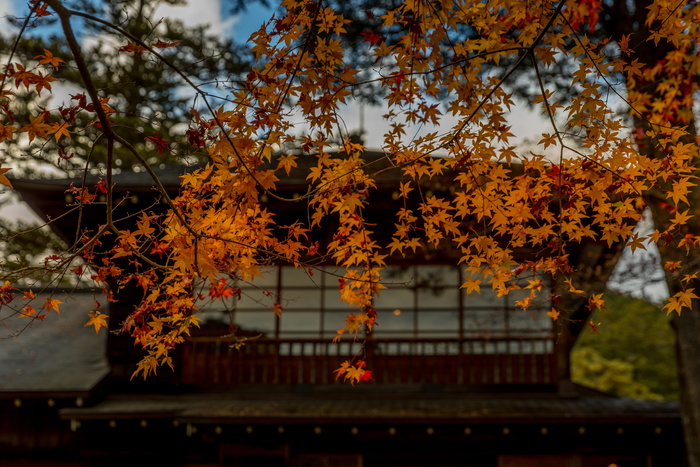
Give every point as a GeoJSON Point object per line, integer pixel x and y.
{"type": "Point", "coordinates": [214, 13]}
{"type": "Point", "coordinates": [7, 8]}
{"type": "Point", "coordinates": [199, 12]}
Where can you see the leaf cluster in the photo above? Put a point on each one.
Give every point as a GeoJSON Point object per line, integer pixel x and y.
{"type": "Point", "coordinates": [459, 183]}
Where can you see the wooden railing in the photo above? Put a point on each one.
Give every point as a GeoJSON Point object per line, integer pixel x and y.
{"type": "Point", "coordinates": [209, 362]}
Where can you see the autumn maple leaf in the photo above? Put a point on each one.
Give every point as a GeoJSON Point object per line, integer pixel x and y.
{"type": "Point", "coordinates": [164, 45]}
{"type": "Point", "coordinates": [3, 179]}
{"type": "Point", "coordinates": [6, 132]}
{"type": "Point", "coordinates": [37, 127]}
{"type": "Point", "coordinates": [58, 130]}
{"type": "Point", "coordinates": [160, 144]}
{"type": "Point", "coordinates": [22, 76]}
{"type": "Point", "coordinates": [354, 373]}
{"type": "Point", "coordinates": [220, 289]}
{"type": "Point", "coordinates": [680, 301]}
{"type": "Point", "coordinates": [85, 197]}
{"type": "Point", "coordinates": [372, 37]}
{"type": "Point", "coordinates": [595, 301]}
{"type": "Point", "coordinates": [27, 312]}
{"type": "Point", "coordinates": [97, 319]}
{"type": "Point", "coordinates": [52, 304]}
{"type": "Point", "coordinates": [40, 9]}
{"type": "Point", "coordinates": [132, 47]}
{"type": "Point", "coordinates": [49, 58]}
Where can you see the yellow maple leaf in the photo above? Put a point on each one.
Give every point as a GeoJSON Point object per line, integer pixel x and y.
{"type": "Point", "coordinates": [636, 242]}
{"type": "Point", "coordinates": [471, 284]}
{"type": "Point", "coordinates": [680, 301]}
{"type": "Point", "coordinates": [573, 289]}
{"type": "Point", "coordinates": [97, 319]}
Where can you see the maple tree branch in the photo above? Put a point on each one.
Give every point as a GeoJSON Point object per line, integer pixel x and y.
{"type": "Point", "coordinates": [15, 44]}
{"type": "Point", "coordinates": [185, 78]}
{"type": "Point", "coordinates": [64, 16]}
{"type": "Point", "coordinates": [594, 63]}
{"type": "Point", "coordinates": [502, 80]}
{"type": "Point", "coordinates": [550, 114]}
{"type": "Point", "coordinates": [85, 173]}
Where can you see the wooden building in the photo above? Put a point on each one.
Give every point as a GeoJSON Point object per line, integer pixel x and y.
{"type": "Point", "coordinates": [459, 380]}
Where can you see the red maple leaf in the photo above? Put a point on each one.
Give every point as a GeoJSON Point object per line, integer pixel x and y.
{"type": "Point", "coordinates": [372, 37]}
{"type": "Point", "coordinates": [100, 186]}
{"type": "Point", "coordinates": [160, 143]}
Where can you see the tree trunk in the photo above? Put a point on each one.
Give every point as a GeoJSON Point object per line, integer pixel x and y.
{"type": "Point", "coordinates": [618, 20]}
{"type": "Point", "coordinates": [687, 327]}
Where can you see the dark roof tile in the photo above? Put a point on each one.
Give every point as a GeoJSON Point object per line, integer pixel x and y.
{"type": "Point", "coordinates": [57, 354]}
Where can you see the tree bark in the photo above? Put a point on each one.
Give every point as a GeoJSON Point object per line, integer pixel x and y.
{"type": "Point", "coordinates": [687, 327]}
{"type": "Point", "coordinates": [628, 18]}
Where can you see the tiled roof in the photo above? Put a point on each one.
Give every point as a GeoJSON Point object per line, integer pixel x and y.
{"type": "Point", "coordinates": [438, 408]}
{"type": "Point", "coordinates": [56, 355]}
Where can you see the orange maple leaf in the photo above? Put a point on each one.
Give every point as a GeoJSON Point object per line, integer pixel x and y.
{"type": "Point", "coordinates": [27, 312]}
{"type": "Point", "coordinates": [287, 163]}
{"type": "Point", "coordinates": [133, 47]}
{"type": "Point", "coordinates": [354, 373]}
{"type": "Point", "coordinates": [6, 132]}
{"type": "Point", "coordinates": [85, 197]}
{"type": "Point", "coordinates": [52, 304]}
{"type": "Point", "coordinates": [596, 301]}
{"type": "Point", "coordinates": [49, 58]}
{"type": "Point", "coordinates": [22, 76]}
{"type": "Point", "coordinates": [3, 179]}
{"type": "Point", "coordinates": [97, 319]}
{"type": "Point", "coordinates": [58, 130]}
{"type": "Point", "coordinates": [43, 82]}
{"type": "Point", "coordinates": [36, 127]}
{"type": "Point", "coordinates": [40, 9]}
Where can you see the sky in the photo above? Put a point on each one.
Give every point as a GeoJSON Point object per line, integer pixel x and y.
{"type": "Point", "coordinates": [211, 12]}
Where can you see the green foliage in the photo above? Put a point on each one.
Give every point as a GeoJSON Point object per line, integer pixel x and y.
{"type": "Point", "coordinates": [632, 355]}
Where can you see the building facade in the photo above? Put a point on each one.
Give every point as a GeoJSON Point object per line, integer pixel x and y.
{"type": "Point", "coordinates": [459, 380]}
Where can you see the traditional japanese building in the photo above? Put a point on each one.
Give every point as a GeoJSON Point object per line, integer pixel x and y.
{"type": "Point", "coordinates": [458, 380]}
